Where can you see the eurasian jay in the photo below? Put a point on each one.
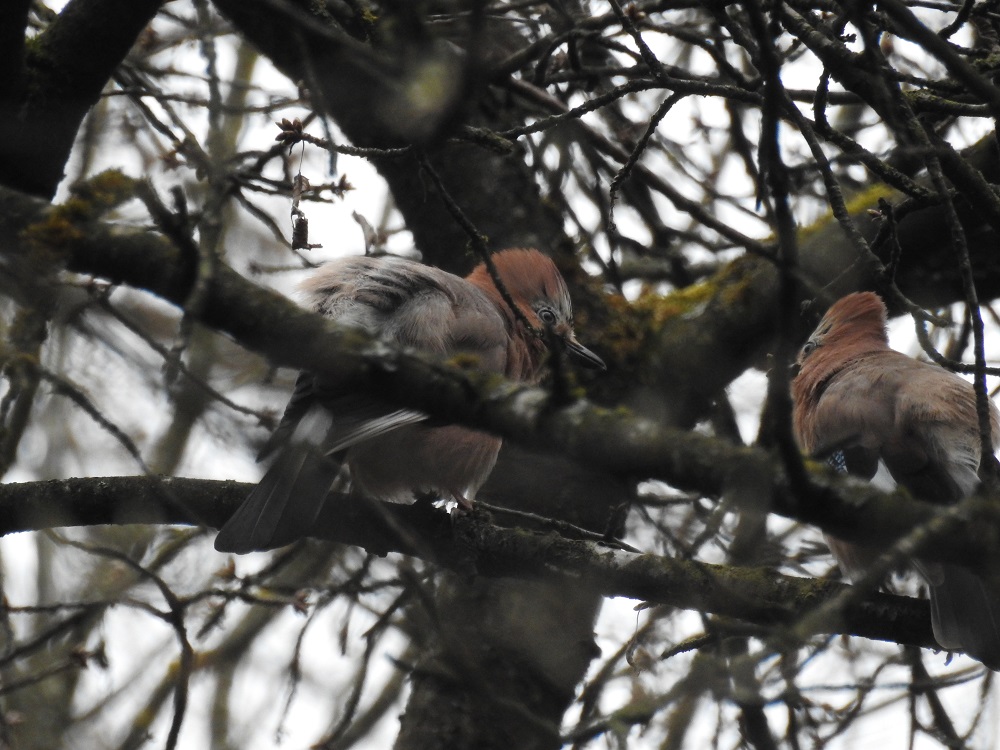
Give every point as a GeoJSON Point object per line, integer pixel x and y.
{"type": "Point", "coordinates": [331, 439]}
{"type": "Point", "coordinates": [869, 409]}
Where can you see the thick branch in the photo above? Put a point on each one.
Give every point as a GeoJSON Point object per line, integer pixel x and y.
{"type": "Point", "coordinates": [471, 544]}
{"type": "Point", "coordinates": [13, 22]}
{"type": "Point", "coordinates": [64, 76]}
{"type": "Point", "coordinates": [616, 441]}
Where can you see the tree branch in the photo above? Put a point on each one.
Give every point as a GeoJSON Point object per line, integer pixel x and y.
{"type": "Point", "coordinates": [471, 544]}
{"type": "Point", "coordinates": [615, 441]}
{"type": "Point", "coordinates": [64, 74]}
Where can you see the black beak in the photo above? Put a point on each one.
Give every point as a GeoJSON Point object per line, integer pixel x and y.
{"type": "Point", "coordinates": [583, 355]}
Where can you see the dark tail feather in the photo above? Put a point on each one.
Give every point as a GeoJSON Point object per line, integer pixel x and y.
{"type": "Point", "coordinates": [965, 614]}
{"type": "Point", "coordinates": [284, 506]}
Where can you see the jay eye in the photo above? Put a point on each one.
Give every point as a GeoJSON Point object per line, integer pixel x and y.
{"type": "Point", "coordinates": [808, 348]}
{"type": "Point", "coordinates": [547, 316]}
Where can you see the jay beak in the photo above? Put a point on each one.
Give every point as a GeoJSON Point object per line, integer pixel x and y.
{"type": "Point", "coordinates": [333, 440]}
{"type": "Point", "coordinates": [869, 409]}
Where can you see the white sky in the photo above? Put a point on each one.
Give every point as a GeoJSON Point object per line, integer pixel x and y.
{"type": "Point", "coordinates": [135, 639]}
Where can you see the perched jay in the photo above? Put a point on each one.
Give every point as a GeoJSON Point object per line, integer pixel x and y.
{"type": "Point", "coordinates": [873, 410]}
{"type": "Point", "coordinates": [329, 437]}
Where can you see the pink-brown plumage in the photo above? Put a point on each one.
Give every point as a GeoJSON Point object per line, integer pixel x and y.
{"type": "Point", "coordinates": [855, 396]}
{"type": "Point", "coordinates": [332, 439]}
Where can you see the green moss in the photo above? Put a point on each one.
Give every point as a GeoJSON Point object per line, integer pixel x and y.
{"type": "Point", "coordinates": [625, 327]}
{"type": "Point", "coordinates": [57, 230]}
{"type": "Point", "coordinates": [102, 192]}
{"type": "Point", "coordinates": [64, 224]}
{"type": "Point", "coordinates": [856, 205]}
{"type": "Point", "coordinates": [868, 198]}
{"type": "Point", "coordinates": [623, 333]}
{"type": "Point", "coordinates": [739, 284]}
{"type": "Point", "coordinates": [661, 308]}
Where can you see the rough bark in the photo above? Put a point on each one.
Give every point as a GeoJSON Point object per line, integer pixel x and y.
{"type": "Point", "coordinates": [51, 84]}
